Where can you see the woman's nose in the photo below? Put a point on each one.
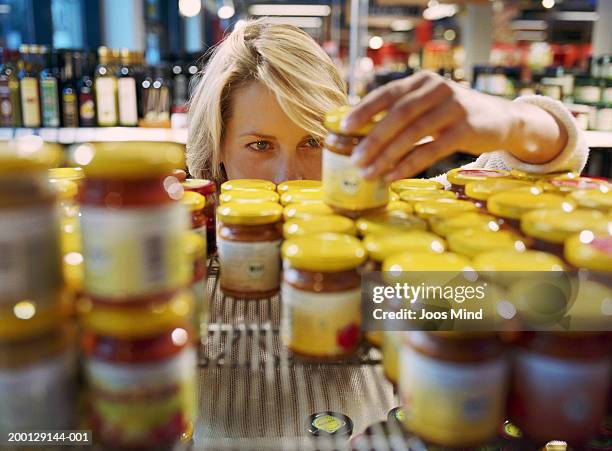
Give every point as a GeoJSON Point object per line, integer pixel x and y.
{"type": "Point", "coordinates": [288, 169]}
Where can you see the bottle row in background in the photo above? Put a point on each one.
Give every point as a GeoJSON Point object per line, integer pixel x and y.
{"type": "Point", "coordinates": [41, 87]}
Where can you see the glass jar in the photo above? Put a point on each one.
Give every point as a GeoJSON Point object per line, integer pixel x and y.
{"type": "Point", "coordinates": [301, 197]}
{"type": "Point", "coordinates": [567, 184]}
{"type": "Point", "coordinates": [306, 211]}
{"type": "Point", "coordinates": [459, 177]}
{"type": "Point", "coordinates": [472, 220]}
{"type": "Point", "coordinates": [346, 191]}
{"type": "Point", "coordinates": [299, 185]}
{"type": "Point", "coordinates": [395, 268]}
{"type": "Point", "coordinates": [567, 375]}
{"type": "Point", "coordinates": [195, 204]}
{"type": "Point", "coordinates": [248, 243]}
{"type": "Point", "coordinates": [247, 185]}
{"type": "Point", "coordinates": [586, 90]}
{"type": "Point", "coordinates": [207, 189]}
{"type": "Point", "coordinates": [462, 375]}
{"type": "Point", "coordinates": [327, 223]}
{"type": "Point", "coordinates": [595, 199]}
{"type": "Point", "coordinates": [511, 205]}
{"type": "Point", "coordinates": [321, 295]}
{"type": "Point", "coordinates": [419, 195]}
{"type": "Point", "coordinates": [393, 196]}
{"type": "Point", "coordinates": [391, 221]}
{"type": "Point", "coordinates": [399, 205]}
{"type": "Point", "coordinates": [132, 226]}
{"type": "Point", "coordinates": [590, 251]}
{"type": "Point", "coordinates": [143, 391]}
{"type": "Point", "coordinates": [399, 186]}
{"type": "Point", "coordinates": [27, 318]}
{"type": "Point", "coordinates": [38, 382]}
{"type": "Point", "coordinates": [248, 196]}
{"type": "Point", "coordinates": [513, 261]}
{"type": "Point", "coordinates": [75, 174]}
{"type": "Point", "coordinates": [550, 228]}
{"type": "Point", "coordinates": [479, 192]}
{"type": "Point", "coordinates": [195, 247]}
{"type": "Point", "coordinates": [442, 208]}
{"type": "Point", "coordinates": [382, 245]}
{"type": "Point", "coordinates": [533, 177]}
{"type": "Point", "coordinates": [603, 122]}
{"type": "Point", "coordinates": [470, 242]}
{"type": "Point", "coordinates": [66, 192]}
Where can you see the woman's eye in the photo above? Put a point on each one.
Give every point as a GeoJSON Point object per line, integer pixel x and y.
{"type": "Point", "coordinates": [312, 143]}
{"type": "Point", "coordinates": [260, 146]}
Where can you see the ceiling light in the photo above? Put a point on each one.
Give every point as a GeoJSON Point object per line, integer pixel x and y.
{"type": "Point", "coordinates": [402, 25]}
{"type": "Point", "coordinates": [376, 42]}
{"type": "Point", "coordinates": [300, 22]}
{"type": "Point", "coordinates": [226, 11]}
{"type": "Point", "coordinates": [190, 8]}
{"type": "Point", "coordinates": [440, 11]}
{"type": "Point", "coordinates": [548, 3]}
{"type": "Point", "coordinates": [450, 35]}
{"type": "Point", "coordinates": [290, 10]}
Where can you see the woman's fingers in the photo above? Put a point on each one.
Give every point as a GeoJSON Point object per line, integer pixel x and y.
{"type": "Point", "coordinates": [431, 123]}
{"type": "Point", "coordinates": [381, 99]}
{"type": "Point", "coordinates": [423, 156]}
{"type": "Point", "coordinates": [401, 116]}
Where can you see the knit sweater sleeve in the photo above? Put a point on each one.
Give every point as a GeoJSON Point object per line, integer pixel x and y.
{"type": "Point", "coordinates": [572, 158]}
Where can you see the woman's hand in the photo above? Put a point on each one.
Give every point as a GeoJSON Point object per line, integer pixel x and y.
{"type": "Point", "coordinates": [457, 118]}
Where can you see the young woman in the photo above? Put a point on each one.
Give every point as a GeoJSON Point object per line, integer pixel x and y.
{"type": "Point", "coordinates": [259, 106]}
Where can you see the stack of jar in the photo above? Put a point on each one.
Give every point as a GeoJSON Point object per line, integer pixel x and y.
{"type": "Point", "coordinates": [137, 341]}
{"type": "Point", "coordinates": [37, 352]}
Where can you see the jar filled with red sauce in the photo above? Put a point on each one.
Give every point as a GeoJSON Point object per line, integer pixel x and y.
{"type": "Point", "coordinates": [207, 189]}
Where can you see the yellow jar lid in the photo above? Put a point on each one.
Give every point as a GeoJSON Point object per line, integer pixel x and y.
{"type": "Point", "coordinates": [382, 245]}
{"type": "Point", "coordinates": [470, 220]}
{"type": "Point", "coordinates": [334, 118]}
{"type": "Point", "coordinates": [462, 176]}
{"type": "Point", "coordinates": [196, 183]}
{"type": "Point", "coordinates": [193, 201]}
{"type": "Point", "coordinates": [484, 189]}
{"type": "Point", "coordinates": [324, 252]}
{"type": "Point", "coordinates": [393, 196]}
{"type": "Point", "coordinates": [247, 184]}
{"type": "Point", "coordinates": [443, 208]}
{"type": "Point", "coordinates": [65, 189]}
{"type": "Point", "coordinates": [130, 322]}
{"type": "Point", "coordinates": [425, 261]}
{"type": "Point", "coordinates": [319, 224]}
{"type": "Point", "coordinates": [195, 245]}
{"type": "Point", "coordinates": [599, 199]}
{"type": "Point", "coordinates": [590, 251]}
{"type": "Point", "coordinates": [249, 213]}
{"type": "Point", "coordinates": [415, 184]}
{"type": "Point", "coordinates": [470, 242]}
{"type": "Point", "coordinates": [533, 177]}
{"type": "Point", "coordinates": [70, 236]}
{"type": "Point", "coordinates": [252, 196]}
{"type": "Point", "coordinates": [514, 203]}
{"type": "Point", "coordinates": [414, 196]}
{"type": "Point", "coordinates": [308, 210]}
{"type": "Point", "coordinates": [129, 160]}
{"type": "Point", "coordinates": [555, 226]}
{"type": "Point", "coordinates": [29, 153]}
{"type": "Point", "coordinates": [504, 260]}
{"type": "Point", "coordinates": [28, 318]}
{"type": "Point", "coordinates": [399, 205]}
{"type": "Point", "coordinates": [569, 183]}
{"type": "Point", "coordinates": [389, 221]}
{"type": "Point", "coordinates": [73, 271]}
{"type": "Point", "coordinates": [301, 197]}
{"type": "Point", "coordinates": [74, 174]}
{"type": "Point", "coordinates": [299, 185]}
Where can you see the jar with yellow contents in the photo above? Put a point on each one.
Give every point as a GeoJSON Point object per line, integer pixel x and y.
{"type": "Point", "coordinates": [248, 243]}
{"type": "Point", "coordinates": [442, 208]}
{"type": "Point", "coordinates": [511, 205]}
{"type": "Point", "coordinates": [382, 245]}
{"type": "Point", "coordinates": [132, 225]}
{"type": "Point", "coordinates": [306, 210]}
{"type": "Point", "coordinates": [459, 177]}
{"type": "Point", "coordinates": [453, 386]}
{"type": "Point", "coordinates": [479, 192]}
{"type": "Point", "coordinates": [248, 196]}
{"type": "Point", "coordinates": [327, 223]}
{"type": "Point", "coordinates": [399, 186]}
{"type": "Point", "coordinates": [344, 187]}
{"type": "Point", "coordinates": [550, 228]}
{"type": "Point", "coordinates": [567, 183]}
{"type": "Point", "coordinates": [471, 242]}
{"type": "Point", "coordinates": [594, 199]}
{"type": "Point", "coordinates": [321, 295]}
{"type": "Point", "coordinates": [398, 268]}
{"type": "Point", "coordinates": [73, 174]}
{"type": "Point", "coordinates": [247, 185]}
{"type": "Point", "coordinates": [390, 221]}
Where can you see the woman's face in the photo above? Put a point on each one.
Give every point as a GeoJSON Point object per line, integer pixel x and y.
{"type": "Point", "coordinates": [262, 142]}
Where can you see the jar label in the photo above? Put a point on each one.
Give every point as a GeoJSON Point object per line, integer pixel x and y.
{"type": "Point", "coordinates": [38, 396]}
{"type": "Point", "coordinates": [590, 94]}
{"type": "Point", "coordinates": [29, 252]}
{"type": "Point", "coordinates": [604, 120]}
{"type": "Point", "coordinates": [106, 98]}
{"type": "Point", "coordinates": [30, 104]}
{"type": "Point", "coordinates": [134, 251]}
{"type": "Point", "coordinates": [249, 267]}
{"type": "Point", "coordinates": [320, 324]}
{"type": "Point", "coordinates": [344, 187]}
{"type": "Point", "coordinates": [452, 403]}
{"type": "Point", "coordinates": [128, 114]}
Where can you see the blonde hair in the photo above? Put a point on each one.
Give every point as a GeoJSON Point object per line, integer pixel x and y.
{"type": "Point", "coordinates": [283, 58]}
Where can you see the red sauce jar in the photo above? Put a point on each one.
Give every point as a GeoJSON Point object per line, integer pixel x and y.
{"type": "Point", "coordinates": [207, 189]}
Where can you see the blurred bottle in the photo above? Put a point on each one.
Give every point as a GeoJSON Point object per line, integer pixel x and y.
{"type": "Point", "coordinates": [69, 98]}
{"type": "Point", "coordinates": [50, 88]}
{"type": "Point", "coordinates": [128, 112]}
{"type": "Point", "coordinates": [179, 97]}
{"type": "Point", "coordinates": [85, 90]}
{"type": "Point", "coordinates": [28, 87]}
{"type": "Point", "coordinates": [10, 104]}
{"type": "Point", "coordinates": [106, 90]}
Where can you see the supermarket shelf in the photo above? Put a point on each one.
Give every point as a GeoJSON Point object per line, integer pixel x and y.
{"type": "Point", "coordinates": [595, 139]}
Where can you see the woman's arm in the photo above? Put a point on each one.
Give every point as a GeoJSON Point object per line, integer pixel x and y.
{"type": "Point", "coordinates": [531, 132]}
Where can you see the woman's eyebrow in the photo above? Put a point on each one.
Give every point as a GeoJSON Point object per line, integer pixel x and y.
{"type": "Point", "coordinates": [261, 135]}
